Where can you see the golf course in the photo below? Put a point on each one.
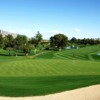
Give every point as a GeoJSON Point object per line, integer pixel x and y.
{"type": "Point", "coordinates": [49, 50]}
{"type": "Point", "coordinates": [49, 72]}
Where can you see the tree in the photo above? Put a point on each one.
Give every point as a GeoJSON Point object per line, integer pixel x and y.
{"type": "Point", "coordinates": [20, 42]}
{"type": "Point", "coordinates": [40, 46]}
{"type": "Point", "coordinates": [26, 48]}
{"type": "Point", "coordinates": [58, 41]}
{"type": "Point", "coordinates": [73, 40]}
{"type": "Point", "coordinates": [34, 41]}
{"type": "Point", "coordinates": [9, 42]}
{"type": "Point", "coordinates": [38, 37]}
{"type": "Point", "coordinates": [1, 40]}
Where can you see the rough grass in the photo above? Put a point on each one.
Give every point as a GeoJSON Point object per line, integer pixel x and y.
{"type": "Point", "coordinates": [49, 73]}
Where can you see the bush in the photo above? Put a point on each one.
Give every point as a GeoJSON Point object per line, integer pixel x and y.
{"type": "Point", "coordinates": [47, 47]}
{"type": "Point", "coordinates": [40, 47]}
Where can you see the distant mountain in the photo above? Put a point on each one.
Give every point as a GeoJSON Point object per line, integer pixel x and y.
{"type": "Point", "coordinates": [4, 33]}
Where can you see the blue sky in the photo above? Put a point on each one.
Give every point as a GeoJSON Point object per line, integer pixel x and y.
{"type": "Point", "coordinates": [75, 18]}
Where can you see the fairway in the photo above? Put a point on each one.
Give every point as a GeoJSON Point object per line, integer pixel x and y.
{"type": "Point", "coordinates": [51, 72]}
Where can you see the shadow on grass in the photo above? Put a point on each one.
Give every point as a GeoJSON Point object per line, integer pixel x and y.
{"type": "Point", "coordinates": [96, 57]}
{"type": "Point", "coordinates": [32, 86]}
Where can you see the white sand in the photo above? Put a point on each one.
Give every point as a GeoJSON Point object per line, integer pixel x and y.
{"type": "Point", "coordinates": [87, 93]}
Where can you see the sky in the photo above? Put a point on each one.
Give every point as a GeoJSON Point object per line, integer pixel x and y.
{"type": "Point", "coordinates": [74, 18]}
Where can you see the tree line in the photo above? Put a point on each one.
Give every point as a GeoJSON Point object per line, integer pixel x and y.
{"type": "Point", "coordinates": [85, 41]}
{"type": "Point", "coordinates": [56, 42]}
{"type": "Point", "coordinates": [20, 42]}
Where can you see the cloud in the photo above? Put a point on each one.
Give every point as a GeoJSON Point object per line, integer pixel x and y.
{"type": "Point", "coordinates": [77, 30]}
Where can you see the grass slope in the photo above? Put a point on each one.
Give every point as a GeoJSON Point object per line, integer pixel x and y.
{"type": "Point", "coordinates": [85, 53]}
{"type": "Point", "coordinates": [49, 73]}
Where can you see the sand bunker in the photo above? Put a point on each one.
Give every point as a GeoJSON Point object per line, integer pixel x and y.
{"type": "Point", "coordinates": [87, 93]}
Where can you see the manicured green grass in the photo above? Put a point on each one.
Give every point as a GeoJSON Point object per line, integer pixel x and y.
{"type": "Point", "coordinates": [29, 86]}
{"type": "Point", "coordinates": [76, 54]}
{"type": "Point", "coordinates": [50, 72]}
{"type": "Point", "coordinates": [48, 67]}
